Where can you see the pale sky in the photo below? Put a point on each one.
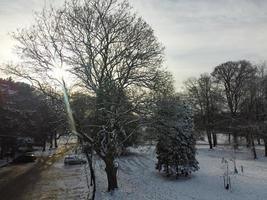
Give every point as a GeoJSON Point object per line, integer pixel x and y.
{"type": "Point", "coordinates": [198, 34]}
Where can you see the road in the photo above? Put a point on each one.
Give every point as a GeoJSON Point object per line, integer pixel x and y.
{"type": "Point", "coordinates": [46, 179]}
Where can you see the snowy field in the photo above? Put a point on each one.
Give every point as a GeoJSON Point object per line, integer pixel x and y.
{"type": "Point", "coordinates": [138, 179]}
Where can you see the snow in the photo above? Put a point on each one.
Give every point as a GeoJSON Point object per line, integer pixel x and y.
{"type": "Point", "coordinates": [58, 181]}
{"type": "Point", "coordinates": [138, 178]}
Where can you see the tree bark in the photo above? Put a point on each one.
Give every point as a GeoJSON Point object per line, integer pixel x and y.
{"type": "Point", "coordinates": [2, 149]}
{"type": "Point", "coordinates": [51, 141]}
{"type": "Point", "coordinates": [235, 141]}
{"type": "Point", "coordinates": [265, 145]}
{"type": "Point", "coordinates": [209, 138]}
{"type": "Point", "coordinates": [55, 140]}
{"type": "Point", "coordinates": [44, 145]}
{"type": "Point", "coordinates": [259, 141]}
{"type": "Point", "coordinates": [253, 149]}
{"type": "Point", "coordinates": [89, 156]}
{"type": "Point", "coordinates": [214, 136]}
{"type": "Point", "coordinates": [248, 140]}
{"type": "Point", "coordinates": [111, 172]}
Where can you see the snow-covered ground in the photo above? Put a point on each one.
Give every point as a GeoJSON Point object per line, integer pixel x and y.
{"type": "Point", "coordinates": [56, 181]}
{"type": "Point", "coordinates": [138, 178]}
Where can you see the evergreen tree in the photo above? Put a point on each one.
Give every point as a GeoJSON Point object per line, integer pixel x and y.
{"type": "Point", "coordinates": [176, 143]}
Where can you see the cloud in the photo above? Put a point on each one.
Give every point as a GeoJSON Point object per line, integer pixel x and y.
{"type": "Point", "coordinates": [16, 14]}
{"type": "Point", "coordinates": [197, 34]}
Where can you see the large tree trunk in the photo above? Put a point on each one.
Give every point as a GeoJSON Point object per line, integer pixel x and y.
{"type": "Point", "coordinates": [248, 140]}
{"type": "Point", "coordinates": [55, 140]}
{"type": "Point", "coordinates": [229, 139]}
{"type": "Point", "coordinates": [253, 149]}
{"type": "Point", "coordinates": [51, 141]}
{"type": "Point", "coordinates": [235, 141]}
{"type": "Point", "coordinates": [44, 145]}
{"type": "Point", "coordinates": [209, 138]}
{"type": "Point", "coordinates": [89, 156]}
{"type": "Point", "coordinates": [214, 136]}
{"type": "Point", "coordinates": [111, 171]}
{"type": "Point", "coordinates": [259, 141]}
{"type": "Point", "coordinates": [2, 149]}
{"type": "Point", "coordinates": [265, 145]}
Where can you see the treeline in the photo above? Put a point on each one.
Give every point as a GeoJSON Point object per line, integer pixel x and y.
{"type": "Point", "coordinates": [232, 100]}
{"type": "Point", "coordinates": [28, 114]}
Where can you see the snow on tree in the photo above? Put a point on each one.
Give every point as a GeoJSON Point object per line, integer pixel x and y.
{"type": "Point", "coordinates": [114, 55]}
{"type": "Point", "coordinates": [176, 143]}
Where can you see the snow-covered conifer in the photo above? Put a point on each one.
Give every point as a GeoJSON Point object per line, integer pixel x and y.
{"type": "Point", "coordinates": [176, 143]}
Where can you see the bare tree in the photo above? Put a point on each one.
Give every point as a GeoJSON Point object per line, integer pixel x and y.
{"type": "Point", "coordinates": [254, 107]}
{"type": "Point", "coordinates": [114, 55]}
{"type": "Point", "coordinates": [234, 76]}
{"type": "Point", "coordinates": [206, 99]}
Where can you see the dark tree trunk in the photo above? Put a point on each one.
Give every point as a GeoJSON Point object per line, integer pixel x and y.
{"type": "Point", "coordinates": [89, 156]}
{"type": "Point", "coordinates": [229, 139]}
{"type": "Point", "coordinates": [1, 153]}
{"type": "Point", "coordinates": [214, 136]}
{"type": "Point", "coordinates": [265, 145]}
{"type": "Point", "coordinates": [259, 141]}
{"type": "Point", "coordinates": [13, 152]}
{"type": "Point", "coordinates": [235, 141]}
{"type": "Point", "coordinates": [253, 149]}
{"type": "Point", "coordinates": [2, 149]}
{"type": "Point", "coordinates": [111, 171]}
{"type": "Point", "coordinates": [51, 141]}
{"type": "Point", "coordinates": [55, 140]}
{"type": "Point", "coordinates": [248, 140]}
{"type": "Point", "coordinates": [209, 138]}
{"type": "Point", "coordinates": [167, 169]}
{"type": "Point", "coordinates": [44, 145]}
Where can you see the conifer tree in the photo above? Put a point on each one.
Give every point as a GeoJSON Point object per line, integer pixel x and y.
{"type": "Point", "coordinates": [176, 143]}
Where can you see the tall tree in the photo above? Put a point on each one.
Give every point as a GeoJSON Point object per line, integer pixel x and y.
{"type": "Point", "coordinates": [205, 96]}
{"type": "Point", "coordinates": [113, 53]}
{"type": "Point", "coordinates": [254, 107]}
{"type": "Point", "coordinates": [234, 77]}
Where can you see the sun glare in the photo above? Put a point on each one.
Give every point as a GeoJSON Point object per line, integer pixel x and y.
{"type": "Point", "coordinates": [59, 73]}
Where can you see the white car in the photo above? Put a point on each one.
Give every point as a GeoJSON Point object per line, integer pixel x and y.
{"type": "Point", "coordinates": [73, 160]}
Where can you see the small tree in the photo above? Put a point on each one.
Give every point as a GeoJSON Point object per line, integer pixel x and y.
{"type": "Point", "coordinates": [176, 143]}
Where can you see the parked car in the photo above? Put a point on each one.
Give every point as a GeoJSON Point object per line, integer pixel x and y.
{"type": "Point", "coordinates": [73, 160]}
{"type": "Point", "coordinates": [25, 157]}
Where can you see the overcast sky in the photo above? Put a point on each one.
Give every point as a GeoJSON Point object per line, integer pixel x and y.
{"type": "Point", "coordinates": [197, 34]}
